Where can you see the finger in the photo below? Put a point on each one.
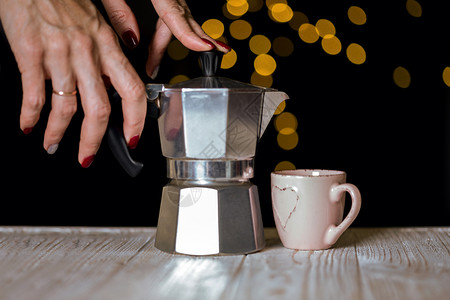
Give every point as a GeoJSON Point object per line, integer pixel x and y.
{"type": "Point", "coordinates": [63, 109]}
{"type": "Point", "coordinates": [124, 21]}
{"type": "Point", "coordinates": [64, 105]}
{"type": "Point", "coordinates": [33, 85]}
{"type": "Point", "coordinates": [94, 98]}
{"type": "Point", "coordinates": [177, 16]}
{"type": "Point", "coordinates": [157, 48]}
{"type": "Point", "coordinates": [130, 87]}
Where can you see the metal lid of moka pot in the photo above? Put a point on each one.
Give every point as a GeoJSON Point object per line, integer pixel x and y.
{"type": "Point", "coordinates": [213, 117]}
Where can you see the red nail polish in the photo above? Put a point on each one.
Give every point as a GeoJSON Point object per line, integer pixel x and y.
{"type": "Point", "coordinates": [28, 130]}
{"type": "Point", "coordinates": [132, 144]}
{"type": "Point", "coordinates": [221, 44]}
{"type": "Point", "coordinates": [210, 44]}
{"type": "Point", "coordinates": [87, 161]}
{"type": "Point", "coordinates": [130, 39]}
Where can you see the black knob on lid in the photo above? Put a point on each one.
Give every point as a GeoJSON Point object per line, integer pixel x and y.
{"type": "Point", "coordinates": [210, 61]}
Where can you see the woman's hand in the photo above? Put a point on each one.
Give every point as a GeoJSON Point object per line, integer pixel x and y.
{"type": "Point", "coordinates": [69, 42]}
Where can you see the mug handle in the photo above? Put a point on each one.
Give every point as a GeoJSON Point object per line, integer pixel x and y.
{"type": "Point", "coordinates": [334, 232]}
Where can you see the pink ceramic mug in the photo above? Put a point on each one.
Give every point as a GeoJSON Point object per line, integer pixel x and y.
{"type": "Point", "coordinates": [308, 207]}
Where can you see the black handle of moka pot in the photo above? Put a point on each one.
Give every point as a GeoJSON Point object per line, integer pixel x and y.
{"type": "Point", "coordinates": [116, 139]}
{"type": "Point", "coordinates": [210, 62]}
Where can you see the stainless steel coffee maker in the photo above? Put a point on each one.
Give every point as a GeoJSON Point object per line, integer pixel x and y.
{"type": "Point", "coordinates": [209, 128]}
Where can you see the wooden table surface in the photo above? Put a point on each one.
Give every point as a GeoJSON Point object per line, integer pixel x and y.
{"type": "Point", "coordinates": [122, 263]}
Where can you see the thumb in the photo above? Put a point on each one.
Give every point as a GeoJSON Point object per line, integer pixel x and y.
{"type": "Point", "coordinates": [123, 21]}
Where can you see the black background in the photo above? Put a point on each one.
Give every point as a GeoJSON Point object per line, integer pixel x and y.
{"type": "Point", "coordinates": [392, 142]}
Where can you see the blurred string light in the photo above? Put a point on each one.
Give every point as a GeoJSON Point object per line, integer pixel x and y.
{"type": "Point", "coordinates": [356, 54]}
{"type": "Point", "coordinates": [229, 60]}
{"type": "Point", "coordinates": [240, 29]}
{"type": "Point", "coordinates": [178, 78]}
{"type": "Point", "coordinates": [446, 76]}
{"type": "Point", "coordinates": [285, 165]}
{"type": "Point", "coordinates": [214, 28]}
{"type": "Point", "coordinates": [401, 77]}
{"type": "Point", "coordinates": [308, 33]}
{"type": "Point", "coordinates": [265, 64]}
{"type": "Point", "coordinates": [414, 8]}
{"type": "Point", "coordinates": [237, 7]}
{"type": "Point", "coordinates": [259, 44]}
{"type": "Point", "coordinates": [260, 80]}
{"type": "Point", "coordinates": [283, 46]}
{"type": "Point", "coordinates": [325, 27]}
{"type": "Point", "coordinates": [357, 15]}
{"type": "Point", "coordinates": [331, 44]}
{"type": "Point", "coordinates": [286, 123]}
{"type": "Point", "coordinates": [280, 12]}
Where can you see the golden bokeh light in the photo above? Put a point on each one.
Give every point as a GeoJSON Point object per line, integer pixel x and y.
{"type": "Point", "coordinates": [281, 12]}
{"type": "Point", "coordinates": [284, 165]}
{"type": "Point", "coordinates": [286, 123]}
{"type": "Point", "coordinates": [280, 108]}
{"type": "Point", "coordinates": [297, 20]}
{"type": "Point", "coordinates": [257, 79]}
{"type": "Point", "coordinates": [446, 76]}
{"type": "Point", "coordinates": [260, 44]}
{"type": "Point", "coordinates": [357, 15]}
{"type": "Point", "coordinates": [325, 27]}
{"type": "Point", "coordinates": [176, 50]}
{"type": "Point", "coordinates": [356, 54]}
{"type": "Point", "coordinates": [287, 142]}
{"type": "Point", "coordinates": [282, 46]}
{"type": "Point", "coordinates": [229, 60]}
{"type": "Point", "coordinates": [401, 77]}
{"type": "Point", "coordinates": [240, 29]}
{"type": "Point", "coordinates": [331, 44]}
{"type": "Point", "coordinates": [414, 8]}
{"type": "Point", "coordinates": [214, 28]}
{"type": "Point", "coordinates": [265, 64]}
{"type": "Point", "coordinates": [178, 78]}
{"type": "Point", "coordinates": [308, 33]}
{"type": "Point", "coordinates": [237, 7]}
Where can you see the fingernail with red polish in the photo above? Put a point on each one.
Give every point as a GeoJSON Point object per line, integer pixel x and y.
{"type": "Point", "coordinates": [210, 44]}
{"type": "Point", "coordinates": [87, 161]}
{"type": "Point", "coordinates": [130, 39]}
{"type": "Point", "coordinates": [28, 130]}
{"type": "Point", "coordinates": [132, 144]}
{"type": "Point", "coordinates": [223, 45]}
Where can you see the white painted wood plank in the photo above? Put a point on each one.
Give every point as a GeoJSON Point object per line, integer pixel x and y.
{"type": "Point", "coordinates": [280, 273]}
{"type": "Point", "coordinates": [404, 263]}
{"type": "Point", "coordinates": [122, 263]}
{"type": "Point", "coordinates": [63, 264]}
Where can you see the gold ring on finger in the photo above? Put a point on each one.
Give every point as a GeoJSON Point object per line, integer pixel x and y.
{"type": "Point", "coordinates": [65, 94]}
